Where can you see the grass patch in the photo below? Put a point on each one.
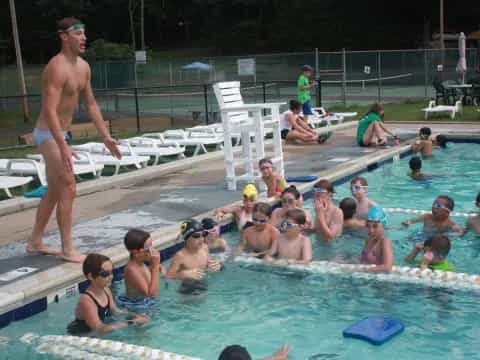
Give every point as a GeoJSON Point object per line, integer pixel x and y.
{"type": "Point", "coordinates": [411, 111]}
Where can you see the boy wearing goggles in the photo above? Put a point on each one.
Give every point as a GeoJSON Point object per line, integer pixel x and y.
{"type": "Point", "coordinates": [291, 244]}
{"type": "Point", "coordinates": [438, 221]}
{"type": "Point", "coordinates": [259, 238]}
{"type": "Point", "coordinates": [328, 217]}
{"type": "Point", "coordinates": [359, 189]}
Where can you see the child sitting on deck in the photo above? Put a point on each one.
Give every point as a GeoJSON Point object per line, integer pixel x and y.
{"type": "Point", "coordinates": [190, 264]}
{"type": "Point", "coordinates": [424, 144]}
{"type": "Point", "coordinates": [291, 244]}
{"type": "Point", "coordinates": [438, 221]}
{"type": "Point", "coordinates": [216, 244]}
{"type": "Point", "coordinates": [359, 189]}
{"type": "Point", "coordinates": [96, 304]}
{"type": "Point", "coordinates": [141, 280]}
{"type": "Point", "coordinates": [259, 238]}
{"type": "Point", "coordinates": [274, 182]}
{"type": "Point", "coordinates": [473, 223]}
{"type": "Point", "coordinates": [435, 251]}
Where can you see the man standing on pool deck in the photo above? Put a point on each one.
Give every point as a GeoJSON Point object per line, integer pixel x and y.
{"type": "Point", "coordinates": [64, 79]}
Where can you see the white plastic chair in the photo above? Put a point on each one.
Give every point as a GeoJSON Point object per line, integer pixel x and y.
{"type": "Point", "coordinates": [9, 182]}
{"type": "Point", "coordinates": [450, 109]}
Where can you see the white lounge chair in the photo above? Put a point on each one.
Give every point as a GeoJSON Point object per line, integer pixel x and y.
{"type": "Point", "coordinates": [101, 155]}
{"type": "Point", "coordinates": [143, 146]}
{"type": "Point", "coordinates": [189, 138]}
{"type": "Point", "coordinates": [34, 166]}
{"type": "Point", "coordinates": [9, 182]}
{"type": "Point", "coordinates": [450, 109]}
{"type": "Point", "coordinates": [322, 116]}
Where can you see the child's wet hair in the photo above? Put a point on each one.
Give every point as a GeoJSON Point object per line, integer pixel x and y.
{"type": "Point", "coordinates": [324, 184]}
{"type": "Point", "coordinates": [359, 179]}
{"type": "Point", "coordinates": [292, 190]}
{"type": "Point", "coordinates": [441, 141]}
{"type": "Point", "coordinates": [449, 202]}
{"type": "Point", "coordinates": [438, 244]}
{"type": "Point", "coordinates": [93, 264]}
{"type": "Point", "coordinates": [297, 215]}
{"type": "Point", "coordinates": [478, 198]}
{"type": "Point", "coordinates": [265, 161]}
{"type": "Point", "coordinates": [415, 163]}
{"type": "Point", "coordinates": [262, 208]}
{"type": "Point", "coordinates": [348, 206]}
{"type": "Point", "coordinates": [425, 132]}
{"type": "Point", "coordinates": [135, 239]}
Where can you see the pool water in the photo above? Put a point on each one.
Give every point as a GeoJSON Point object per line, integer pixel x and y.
{"type": "Point", "coordinates": [262, 308]}
{"type": "Point", "coordinates": [391, 187]}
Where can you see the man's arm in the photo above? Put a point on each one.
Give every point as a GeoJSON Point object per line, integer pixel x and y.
{"type": "Point", "coordinates": [97, 118]}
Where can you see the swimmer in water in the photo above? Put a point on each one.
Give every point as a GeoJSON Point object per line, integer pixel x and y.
{"type": "Point", "coordinates": [349, 207]}
{"type": "Point", "coordinates": [216, 244]}
{"type": "Point", "coordinates": [438, 221]}
{"type": "Point", "coordinates": [424, 144]}
{"type": "Point", "coordinates": [359, 189]}
{"type": "Point", "coordinates": [242, 213]}
{"type": "Point", "coordinates": [435, 251]}
{"type": "Point", "coordinates": [473, 223]}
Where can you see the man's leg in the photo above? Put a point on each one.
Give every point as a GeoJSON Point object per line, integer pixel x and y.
{"type": "Point", "coordinates": [44, 210]}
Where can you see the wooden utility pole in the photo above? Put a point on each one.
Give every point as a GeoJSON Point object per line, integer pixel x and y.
{"type": "Point", "coordinates": [18, 53]}
{"type": "Point", "coordinates": [142, 22]}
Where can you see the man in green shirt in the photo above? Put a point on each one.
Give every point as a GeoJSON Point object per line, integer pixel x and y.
{"type": "Point", "coordinates": [303, 90]}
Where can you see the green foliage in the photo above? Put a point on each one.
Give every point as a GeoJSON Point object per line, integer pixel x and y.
{"type": "Point", "coordinates": [102, 50]}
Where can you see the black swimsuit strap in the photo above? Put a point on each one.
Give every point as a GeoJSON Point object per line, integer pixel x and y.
{"type": "Point", "coordinates": [96, 301]}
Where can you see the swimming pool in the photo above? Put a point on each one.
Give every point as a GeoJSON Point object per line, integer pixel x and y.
{"type": "Point", "coordinates": [390, 187]}
{"type": "Point", "coordinates": [262, 308]}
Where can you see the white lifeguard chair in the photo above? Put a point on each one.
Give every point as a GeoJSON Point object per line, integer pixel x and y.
{"type": "Point", "coordinates": [248, 121]}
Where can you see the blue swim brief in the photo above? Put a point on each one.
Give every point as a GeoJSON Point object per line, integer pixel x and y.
{"type": "Point", "coordinates": [40, 136]}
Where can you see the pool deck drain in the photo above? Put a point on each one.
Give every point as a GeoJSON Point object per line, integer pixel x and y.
{"type": "Point", "coordinates": [158, 203]}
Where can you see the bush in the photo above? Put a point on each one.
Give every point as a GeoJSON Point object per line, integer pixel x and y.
{"type": "Point", "coordinates": [101, 50]}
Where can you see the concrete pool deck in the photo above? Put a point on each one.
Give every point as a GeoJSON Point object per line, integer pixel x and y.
{"type": "Point", "coordinates": [157, 199]}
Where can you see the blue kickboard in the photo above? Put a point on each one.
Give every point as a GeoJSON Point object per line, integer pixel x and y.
{"type": "Point", "coordinates": [375, 329]}
{"type": "Point", "coordinates": [37, 193]}
{"type": "Point", "coordinates": [306, 178]}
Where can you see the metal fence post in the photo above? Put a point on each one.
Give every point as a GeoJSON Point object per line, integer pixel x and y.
{"type": "Point", "coordinates": [425, 70]}
{"type": "Point", "coordinates": [344, 77]}
{"type": "Point", "coordinates": [264, 92]}
{"type": "Point", "coordinates": [319, 92]}
{"type": "Point", "coordinates": [205, 97]}
{"type": "Point", "coordinates": [379, 71]}
{"type": "Point", "coordinates": [137, 110]}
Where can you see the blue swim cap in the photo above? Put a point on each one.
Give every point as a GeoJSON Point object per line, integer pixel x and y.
{"type": "Point", "coordinates": [376, 214]}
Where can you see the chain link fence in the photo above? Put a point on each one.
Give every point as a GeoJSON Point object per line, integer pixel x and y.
{"type": "Point", "coordinates": [162, 94]}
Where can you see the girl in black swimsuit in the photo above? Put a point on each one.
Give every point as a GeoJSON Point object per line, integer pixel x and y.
{"type": "Point", "coordinates": [90, 314]}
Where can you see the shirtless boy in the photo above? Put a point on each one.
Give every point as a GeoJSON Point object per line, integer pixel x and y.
{"type": "Point", "coordinates": [190, 264]}
{"type": "Point", "coordinates": [258, 239]}
{"type": "Point", "coordinates": [291, 244]}
{"type": "Point", "coordinates": [359, 189]}
{"type": "Point", "coordinates": [438, 221]}
{"type": "Point", "coordinates": [328, 217]}
{"type": "Point", "coordinates": [424, 144]}
{"type": "Point", "coordinates": [65, 78]}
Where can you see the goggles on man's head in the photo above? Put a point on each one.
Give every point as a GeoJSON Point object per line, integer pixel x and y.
{"type": "Point", "coordinates": [75, 27]}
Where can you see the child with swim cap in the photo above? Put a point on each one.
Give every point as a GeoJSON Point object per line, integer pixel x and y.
{"type": "Point", "coordinates": [242, 213]}
{"type": "Point", "coordinates": [216, 244]}
{"type": "Point", "coordinates": [259, 238]}
{"type": "Point", "coordinates": [435, 252]}
{"type": "Point", "coordinates": [141, 280]}
{"type": "Point", "coordinates": [437, 221]}
{"type": "Point", "coordinates": [378, 249]}
{"type": "Point", "coordinates": [473, 223]}
{"type": "Point", "coordinates": [291, 244]}
{"type": "Point", "coordinates": [274, 182]}
{"type": "Point", "coordinates": [190, 264]}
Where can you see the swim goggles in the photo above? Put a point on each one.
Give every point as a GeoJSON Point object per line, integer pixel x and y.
{"type": "Point", "coordinates": [250, 198]}
{"type": "Point", "coordinates": [265, 167]}
{"type": "Point", "coordinates": [287, 201]}
{"type": "Point", "coordinates": [260, 221]}
{"type": "Point", "coordinates": [105, 273]}
{"type": "Point", "coordinates": [437, 205]}
{"type": "Point", "coordinates": [287, 225]}
{"type": "Point", "coordinates": [199, 234]}
{"type": "Point", "coordinates": [75, 27]}
{"type": "Point", "coordinates": [320, 190]}
{"type": "Point", "coordinates": [372, 223]}
{"type": "Point", "coordinates": [356, 188]}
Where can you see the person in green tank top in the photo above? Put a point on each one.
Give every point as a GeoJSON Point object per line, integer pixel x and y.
{"type": "Point", "coordinates": [371, 128]}
{"type": "Point", "coordinates": [435, 252]}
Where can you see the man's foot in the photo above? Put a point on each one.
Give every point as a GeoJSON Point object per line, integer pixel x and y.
{"type": "Point", "coordinates": [41, 250]}
{"type": "Point", "coordinates": [73, 256]}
